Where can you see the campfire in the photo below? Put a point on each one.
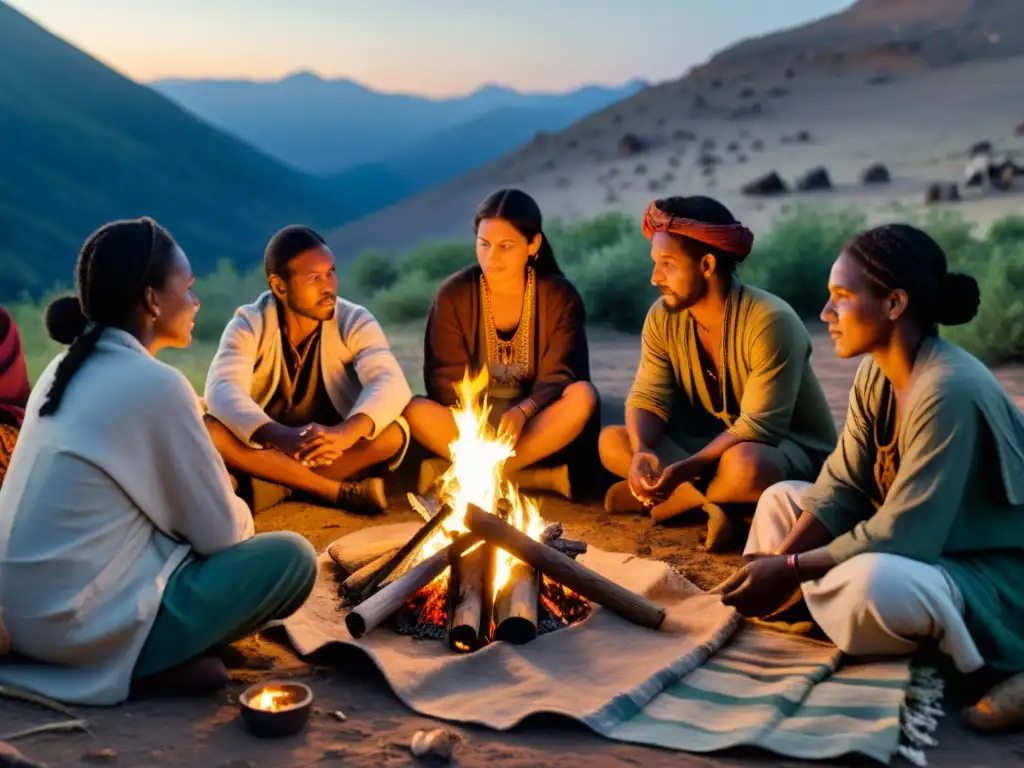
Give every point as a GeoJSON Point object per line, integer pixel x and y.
{"type": "Point", "coordinates": [484, 566]}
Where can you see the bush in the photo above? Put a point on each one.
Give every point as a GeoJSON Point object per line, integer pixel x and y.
{"type": "Point", "coordinates": [793, 261]}
{"type": "Point", "coordinates": [615, 283]}
{"type": "Point", "coordinates": [1007, 230]}
{"type": "Point", "coordinates": [372, 271]}
{"type": "Point", "coordinates": [407, 300]}
{"type": "Point", "coordinates": [437, 261]}
{"type": "Point", "coordinates": [996, 335]}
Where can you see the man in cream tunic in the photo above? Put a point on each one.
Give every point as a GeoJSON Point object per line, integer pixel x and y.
{"type": "Point", "coordinates": [304, 390]}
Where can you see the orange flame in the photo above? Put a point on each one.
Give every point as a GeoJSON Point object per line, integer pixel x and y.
{"type": "Point", "coordinates": [270, 700]}
{"type": "Point", "coordinates": [476, 476]}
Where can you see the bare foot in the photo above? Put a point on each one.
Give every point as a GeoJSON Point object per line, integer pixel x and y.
{"type": "Point", "coordinates": [1002, 708]}
{"type": "Point", "coordinates": [619, 499]}
{"type": "Point", "coordinates": [194, 677]}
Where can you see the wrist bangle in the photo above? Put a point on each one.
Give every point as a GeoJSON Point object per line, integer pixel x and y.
{"type": "Point", "coordinates": [793, 562]}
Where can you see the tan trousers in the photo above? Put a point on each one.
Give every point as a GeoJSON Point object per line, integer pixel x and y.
{"type": "Point", "coordinates": [872, 604]}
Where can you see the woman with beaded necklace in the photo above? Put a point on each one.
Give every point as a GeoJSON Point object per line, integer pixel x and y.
{"type": "Point", "coordinates": [515, 315]}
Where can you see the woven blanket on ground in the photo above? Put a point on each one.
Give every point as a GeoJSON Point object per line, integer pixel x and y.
{"type": "Point", "coordinates": [705, 682]}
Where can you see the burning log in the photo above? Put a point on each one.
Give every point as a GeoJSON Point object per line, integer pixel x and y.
{"type": "Point", "coordinates": [354, 585]}
{"type": "Point", "coordinates": [469, 609]}
{"type": "Point", "coordinates": [425, 532]}
{"type": "Point", "coordinates": [427, 506]}
{"type": "Point", "coordinates": [515, 605]}
{"type": "Point", "coordinates": [372, 611]}
{"type": "Point", "coordinates": [565, 570]}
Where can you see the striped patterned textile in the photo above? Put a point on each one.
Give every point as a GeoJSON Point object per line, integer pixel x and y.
{"type": "Point", "coordinates": [787, 694]}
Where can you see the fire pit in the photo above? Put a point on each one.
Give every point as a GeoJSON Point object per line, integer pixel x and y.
{"type": "Point", "coordinates": [484, 566]}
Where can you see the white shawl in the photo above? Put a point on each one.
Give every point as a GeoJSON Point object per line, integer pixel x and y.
{"type": "Point", "coordinates": [360, 372]}
{"type": "Point", "coordinates": [102, 501]}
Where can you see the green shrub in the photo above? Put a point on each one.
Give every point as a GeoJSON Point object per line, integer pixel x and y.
{"type": "Point", "coordinates": [574, 241]}
{"type": "Point", "coordinates": [220, 294]}
{"type": "Point", "coordinates": [615, 283]}
{"type": "Point", "coordinates": [1009, 229]}
{"type": "Point", "coordinates": [794, 259]}
{"type": "Point", "coordinates": [372, 271]}
{"type": "Point", "coordinates": [409, 299]}
{"type": "Point", "coordinates": [439, 260]}
{"type": "Point", "coordinates": [996, 335]}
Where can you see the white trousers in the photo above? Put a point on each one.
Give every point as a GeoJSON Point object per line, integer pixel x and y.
{"type": "Point", "coordinates": [872, 604]}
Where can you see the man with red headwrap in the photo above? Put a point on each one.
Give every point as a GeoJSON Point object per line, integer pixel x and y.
{"type": "Point", "coordinates": [14, 388]}
{"type": "Point", "coordinates": [724, 403]}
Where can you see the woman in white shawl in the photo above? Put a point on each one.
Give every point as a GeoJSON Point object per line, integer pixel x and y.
{"type": "Point", "coordinates": [124, 553]}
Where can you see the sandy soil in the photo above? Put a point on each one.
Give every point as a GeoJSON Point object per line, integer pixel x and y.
{"type": "Point", "coordinates": [208, 731]}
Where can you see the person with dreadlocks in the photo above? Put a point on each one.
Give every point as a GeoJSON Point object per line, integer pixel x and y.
{"type": "Point", "coordinates": [514, 315]}
{"type": "Point", "coordinates": [14, 388]}
{"type": "Point", "coordinates": [914, 530]}
{"type": "Point", "coordinates": [124, 554]}
{"type": "Point", "coordinates": [724, 403]}
{"type": "Point", "coordinates": [304, 391]}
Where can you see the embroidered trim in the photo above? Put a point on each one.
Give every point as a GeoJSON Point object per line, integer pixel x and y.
{"type": "Point", "coordinates": [509, 361]}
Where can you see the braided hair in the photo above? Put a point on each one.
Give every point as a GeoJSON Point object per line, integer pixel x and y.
{"type": "Point", "coordinates": [116, 265]}
{"type": "Point", "coordinates": [902, 257]}
{"type": "Point", "coordinates": [522, 212]}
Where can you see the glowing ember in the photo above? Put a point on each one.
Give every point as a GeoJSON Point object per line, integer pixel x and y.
{"type": "Point", "coordinates": [270, 700]}
{"type": "Point", "coordinates": [476, 476]}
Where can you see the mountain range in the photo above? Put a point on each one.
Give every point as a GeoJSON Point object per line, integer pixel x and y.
{"type": "Point", "coordinates": [326, 126]}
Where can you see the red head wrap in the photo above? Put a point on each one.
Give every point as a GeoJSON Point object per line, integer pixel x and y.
{"type": "Point", "coordinates": [731, 238]}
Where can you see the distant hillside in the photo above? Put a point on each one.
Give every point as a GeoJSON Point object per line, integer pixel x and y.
{"type": "Point", "coordinates": [911, 84]}
{"type": "Point", "coordinates": [80, 145]}
{"type": "Point", "coordinates": [327, 126]}
{"type": "Point", "coordinates": [890, 35]}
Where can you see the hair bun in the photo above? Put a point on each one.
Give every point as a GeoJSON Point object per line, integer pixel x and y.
{"type": "Point", "coordinates": [65, 321]}
{"type": "Point", "coordinates": [959, 299]}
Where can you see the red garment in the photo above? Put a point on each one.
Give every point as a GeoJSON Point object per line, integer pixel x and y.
{"type": "Point", "coordinates": [14, 385]}
{"type": "Point", "coordinates": [731, 238]}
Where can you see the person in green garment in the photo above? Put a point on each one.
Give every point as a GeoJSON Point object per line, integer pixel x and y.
{"type": "Point", "coordinates": [724, 403]}
{"type": "Point", "coordinates": [915, 527]}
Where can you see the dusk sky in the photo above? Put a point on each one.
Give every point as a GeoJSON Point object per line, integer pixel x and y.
{"type": "Point", "coordinates": [432, 47]}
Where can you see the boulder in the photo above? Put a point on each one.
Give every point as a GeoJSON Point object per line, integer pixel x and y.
{"type": "Point", "coordinates": [814, 180]}
{"type": "Point", "coordinates": [981, 148]}
{"type": "Point", "coordinates": [630, 144]}
{"type": "Point", "coordinates": [769, 184]}
{"type": "Point", "coordinates": [942, 192]}
{"type": "Point", "coordinates": [876, 174]}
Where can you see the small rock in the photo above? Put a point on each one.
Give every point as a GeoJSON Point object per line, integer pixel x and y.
{"type": "Point", "coordinates": [769, 184]}
{"type": "Point", "coordinates": [875, 174]}
{"type": "Point", "coordinates": [338, 715]}
{"type": "Point", "coordinates": [102, 755]}
{"type": "Point", "coordinates": [981, 148]}
{"type": "Point", "coordinates": [630, 144]}
{"type": "Point", "coordinates": [942, 192]}
{"type": "Point", "coordinates": [1020, 129]}
{"type": "Point", "coordinates": [439, 743]}
{"type": "Point", "coordinates": [814, 180]}
{"type": "Point", "coordinates": [317, 712]}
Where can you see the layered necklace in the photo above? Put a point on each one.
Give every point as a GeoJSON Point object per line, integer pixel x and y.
{"type": "Point", "coordinates": [509, 361]}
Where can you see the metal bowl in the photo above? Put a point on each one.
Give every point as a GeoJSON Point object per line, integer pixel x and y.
{"type": "Point", "coordinates": [290, 713]}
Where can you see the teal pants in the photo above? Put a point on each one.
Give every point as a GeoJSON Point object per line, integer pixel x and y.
{"type": "Point", "coordinates": [219, 599]}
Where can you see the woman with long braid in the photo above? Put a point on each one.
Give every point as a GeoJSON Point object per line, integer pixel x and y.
{"type": "Point", "coordinates": [124, 554]}
{"type": "Point", "coordinates": [914, 530]}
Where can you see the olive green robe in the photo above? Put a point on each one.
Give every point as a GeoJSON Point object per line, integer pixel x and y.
{"type": "Point", "coordinates": [957, 499]}
{"type": "Point", "coordinates": [769, 392]}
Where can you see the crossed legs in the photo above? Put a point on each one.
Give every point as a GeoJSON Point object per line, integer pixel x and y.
{"type": "Point", "coordinates": [324, 482]}
{"type": "Point", "coordinates": [740, 477]}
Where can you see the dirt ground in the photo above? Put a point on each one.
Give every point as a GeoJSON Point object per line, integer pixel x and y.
{"type": "Point", "coordinates": [208, 731]}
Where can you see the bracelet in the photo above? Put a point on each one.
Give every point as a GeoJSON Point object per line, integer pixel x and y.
{"type": "Point", "coordinates": [793, 562]}
{"type": "Point", "coordinates": [528, 407]}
